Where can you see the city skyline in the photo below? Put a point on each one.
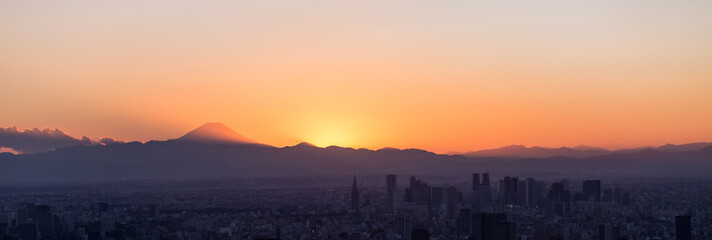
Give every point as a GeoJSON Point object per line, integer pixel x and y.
{"type": "Point", "coordinates": [355, 120]}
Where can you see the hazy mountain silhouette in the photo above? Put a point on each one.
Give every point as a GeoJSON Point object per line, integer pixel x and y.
{"type": "Point", "coordinates": [684, 147]}
{"type": "Point", "coordinates": [196, 155]}
{"type": "Point", "coordinates": [305, 145]}
{"type": "Point", "coordinates": [190, 160]}
{"type": "Point", "coordinates": [520, 151]}
{"type": "Point", "coordinates": [215, 133]}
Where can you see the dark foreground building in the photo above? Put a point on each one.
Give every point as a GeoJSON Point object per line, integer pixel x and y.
{"type": "Point", "coordinates": [683, 228]}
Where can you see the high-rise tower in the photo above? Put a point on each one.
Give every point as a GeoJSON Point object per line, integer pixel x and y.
{"type": "Point", "coordinates": [485, 179]}
{"type": "Point", "coordinates": [485, 190]}
{"type": "Point", "coordinates": [391, 188]}
{"type": "Point", "coordinates": [592, 190]}
{"type": "Point", "coordinates": [683, 228]}
{"type": "Point", "coordinates": [475, 181]}
{"type": "Point", "coordinates": [354, 196]}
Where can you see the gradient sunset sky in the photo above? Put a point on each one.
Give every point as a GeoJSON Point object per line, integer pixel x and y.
{"type": "Point", "coordinates": [437, 75]}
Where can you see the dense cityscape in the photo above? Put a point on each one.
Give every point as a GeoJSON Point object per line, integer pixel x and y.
{"type": "Point", "coordinates": [355, 120]}
{"type": "Point", "coordinates": [361, 207]}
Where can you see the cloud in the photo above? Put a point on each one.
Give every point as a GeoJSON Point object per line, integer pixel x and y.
{"type": "Point", "coordinates": [107, 141]}
{"type": "Point", "coordinates": [8, 150]}
{"type": "Point", "coordinates": [36, 140]}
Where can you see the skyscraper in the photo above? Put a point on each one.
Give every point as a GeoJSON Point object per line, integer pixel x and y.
{"type": "Point", "coordinates": [437, 196]}
{"type": "Point", "coordinates": [485, 190]}
{"type": "Point", "coordinates": [418, 192]}
{"type": "Point", "coordinates": [592, 190]}
{"type": "Point", "coordinates": [43, 218]}
{"type": "Point", "coordinates": [559, 199]}
{"type": "Point", "coordinates": [354, 196]}
{"type": "Point", "coordinates": [485, 179]}
{"type": "Point", "coordinates": [451, 201]}
{"type": "Point", "coordinates": [463, 224]}
{"type": "Point", "coordinates": [28, 231]}
{"type": "Point", "coordinates": [522, 193]}
{"type": "Point", "coordinates": [391, 188]}
{"type": "Point", "coordinates": [475, 181]}
{"type": "Point", "coordinates": [509, 193]}
{"type": "Point", "coordinates": [683, 228]}
{"type": "Point", "coordinates": [604, 232]}
{"type": "Point", "coordinates": [539, 193]}
{"type": "Point", "coordinates": [405, 226]}
{"type": "Point", "coordinates": [530, 192]}
{"type": "Point", "coordinates": [486, 226]}
{"type": "Point", "coordinates": [420, 234]}
{"type": "Point", "coordinates": [565, 182]}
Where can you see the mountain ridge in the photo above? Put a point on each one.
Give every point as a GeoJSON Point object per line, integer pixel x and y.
{"type": "Point", "coordinates": [521, 151]}
{"type": "Point", "coordinates": [178, 160]}
{"type": "Point", "coordinates": [215, 132]}
{"type": "Point", "coordinates": [215, 151]}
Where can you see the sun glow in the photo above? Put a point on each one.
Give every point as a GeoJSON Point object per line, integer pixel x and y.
{"type": "Point", "coordinates": [333, 134]}
{"type": "Point", "coordinates": [443, 77]}
{"type": "Point", "coordinates": [334, 129]}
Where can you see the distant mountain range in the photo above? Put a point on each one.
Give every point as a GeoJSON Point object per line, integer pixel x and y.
{"type": "Point", "coordinates": [216, 133]}
{"type": "Point", "coordinates": [215, 151]}
{"type": "Point", "coordinates": [520, 151]}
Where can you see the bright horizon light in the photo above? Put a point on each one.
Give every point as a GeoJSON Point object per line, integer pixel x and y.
{"type": "Point", "coordinates": [444, 77]}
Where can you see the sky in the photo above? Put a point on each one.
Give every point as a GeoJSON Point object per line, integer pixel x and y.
{"type": "Point", "coordinates": [437, 75]}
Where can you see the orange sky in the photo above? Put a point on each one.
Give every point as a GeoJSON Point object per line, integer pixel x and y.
{"type": "Point", "coordinates": [452, 76]}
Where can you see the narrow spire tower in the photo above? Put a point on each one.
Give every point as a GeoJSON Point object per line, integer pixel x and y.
{"type": "Point", "coordinates": [354, 196]}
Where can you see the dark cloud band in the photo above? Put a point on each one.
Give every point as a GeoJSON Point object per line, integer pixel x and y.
{"type": "Point", "coordinates": [36, 140]}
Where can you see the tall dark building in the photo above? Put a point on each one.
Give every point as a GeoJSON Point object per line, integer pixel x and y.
{"type": "Point", "coordinates": [486, 226]}
{"type": "Point", "coordinates": [556, 192]}
{"type": "Point", "coordinates": [405, 225]}
{"type": "Point", "coordinates": [522, 193]}
{"type": "Point", "coordinates": [683, 228]}
{"type": "Point", "coordinates": [592, 190]}
{"type": "Point", "coordinates": [530, 192]}
{"type": "Point", "coordinates": [482, 192]}
{"type": "Point", "coordinates": [93, 230]}
{"type": "Point", "coordinates": [464, 222]}
{"type": "Point", "coordinates": [354, 196]}
{"type": "Point", "coordinates": [451, 200]}
{"type": "Point", "coordinates": [539, 192]}
{"type": "Point", "coordinates": [419, 234]}
{"type": "Point", "coordinates": [43, 218]}
{"type": "Point", "coordinates": [391, 188]}
{"type": "Point", "coordinates": [28, 231]}
{"type": "Point", "coordinates": [485, 190]}
{"type": "Point", "coordinates": [604, 232]}
{"type": "Point", "coordinates": [418, 192]}
{"type": "Point", "coordinates": [559, 199]}
{"type": "Point", "coordinates": [509, 193]}
{"type": "Point", "coordinates": [475, 181]}
{"type": "Point", "coordinates": [22, 215]}
{"type": "Point", "coordinates": [437, 197]}
{"type": "Point", "coordinates": [485, 179]}
{"type": "Point", "coordinates": [540, 229]}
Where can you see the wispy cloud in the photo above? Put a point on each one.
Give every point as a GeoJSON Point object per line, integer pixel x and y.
{"type": "Point", "coordinates": [36, 140]}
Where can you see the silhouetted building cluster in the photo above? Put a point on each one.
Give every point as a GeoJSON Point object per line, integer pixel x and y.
{"type": "Point", "coordinates": [424, 208]}
{"type": "Point", "coordinates": [418, 192]}
{"type": "Point", "coordinates": [488, 226]}
{"type": "Point", "coordinates": [481, 192]}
